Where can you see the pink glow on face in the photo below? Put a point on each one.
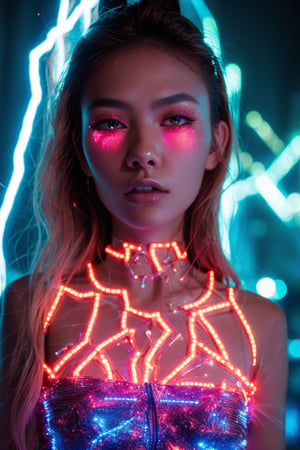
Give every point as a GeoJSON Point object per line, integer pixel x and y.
{"type": "Point", "coordinates": [108, 141]}
{"type": "Point", "coordinates": [180, 138]}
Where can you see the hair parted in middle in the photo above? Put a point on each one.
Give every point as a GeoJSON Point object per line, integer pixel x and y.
{"type": "Point", "coordinates": [77, 233]}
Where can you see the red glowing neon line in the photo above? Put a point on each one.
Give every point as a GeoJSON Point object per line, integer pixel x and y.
{"type": "Point", "coordinates": [100, 348]}
{"type": "Point", "coordinates": [194, 346]}
{"type": "Point", "coordinates": [157, 246]}
{"type": "Point", "coordinates": [247, 328]}
{"type": "Point", "coordinates": [54, 307]}
{"type": "Point", "coordinates": [212, 332]}
{"type": "Point", "coordinates": [85, 341]}
{"type": "Point", "coordinates": [192, 353]}
{"type": "Point", "coordinates": [205, 296]}
{"type": "Point", "coordinates": [129, 248]}
{"type": "Point", "coordinates": [214, 308]}
{"type": "Point", "coordinates": [230, 367]}
{"type": "Point", "coordinates": [221, 359]}
{"type": "Point", "coordinates": [166, 330]}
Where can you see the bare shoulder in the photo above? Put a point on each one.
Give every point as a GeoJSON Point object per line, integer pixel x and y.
{"type": "Point", "coordinates": [14, 314]}
{"type": "Point", "coordinates": [19, 286]}
{"type": "Point", "coordinates": [268, 323]}
{"type": "Point", "coordinates": [260, 309]}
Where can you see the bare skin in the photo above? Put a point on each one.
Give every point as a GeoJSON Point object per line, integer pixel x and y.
{"type": "Point", "coordinates": [128, 143]}
{"type": "Point", "coordinates": [265, 318]}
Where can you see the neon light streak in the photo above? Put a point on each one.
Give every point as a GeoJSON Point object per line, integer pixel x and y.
{"type": "Point", "coordinates": [274, 197]}
{"type": "Point", "coordinates": [131, 248]}
{"type": "Point", "coordinates": [247, 328]}
{"type": "Point", "coordinates": [255, 121]}
{"type": "Point", "coordinates": [211, 34]}
{"type": "Point", "coordinates": [86, 338]}
{"type": "Point", "coordinates": [205, 296]}
{"type": "Point", "coordinates": [221, 358]}
{"type": "Point", "coordinates": [64, 25]}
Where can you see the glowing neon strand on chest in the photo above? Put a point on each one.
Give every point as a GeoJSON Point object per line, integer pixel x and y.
{"type": "Point", "coordinates": [196, 312]}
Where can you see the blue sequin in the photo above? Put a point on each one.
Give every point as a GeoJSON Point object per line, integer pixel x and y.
{"type": "Point", "coordinates": [88, 413]}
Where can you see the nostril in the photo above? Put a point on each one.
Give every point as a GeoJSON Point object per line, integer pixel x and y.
{"type": "Point", "coordinates": [141, 160]}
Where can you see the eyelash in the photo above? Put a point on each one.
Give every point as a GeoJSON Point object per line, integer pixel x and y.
{"type": "Point", "coordinates": [100, 123]}
{"type": "Point", "coordinates": [119, 125]}
{"type": "Point", "coordinates": [187, 119]}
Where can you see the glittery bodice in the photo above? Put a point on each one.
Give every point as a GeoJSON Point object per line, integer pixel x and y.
{"type": "Point", "coordinates": [87, 413]}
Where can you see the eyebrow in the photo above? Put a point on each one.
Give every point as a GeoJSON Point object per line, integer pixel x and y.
{"type": "Point", "coordinates": [171, 99]}
{"type": "Point", "coordinates": [109, 102]}
{"type": "Point", "coordinates": [156, 104]}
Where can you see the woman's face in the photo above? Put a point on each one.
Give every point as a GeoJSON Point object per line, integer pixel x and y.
{"type": "Point", "coordinates": [147, 140]}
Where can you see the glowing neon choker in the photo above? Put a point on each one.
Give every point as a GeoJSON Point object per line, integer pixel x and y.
{"type": "Point", "coordinates": [137, 258]}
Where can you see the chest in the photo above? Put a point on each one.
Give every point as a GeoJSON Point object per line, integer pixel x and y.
{"type": "Point", "coordinates": [101, 334]}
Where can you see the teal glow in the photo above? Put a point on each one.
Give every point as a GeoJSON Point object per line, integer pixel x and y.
{"type": "Point", "coordinates": [287, 159]}
{"type": "Point", "coordinates": [262, 182]}
{"type": "Point", "coordinates": [266, 287]}
{"type": "Point", "coordinates": [272, 289]}
{"type": "Point", "coordinates": [265, 182]}
{"type": "Point", "coordinates": [233, 78]}
{"type": "Point", "coordinates": [255, 121]}
{"type": "Point", "coordinates": [67, 18]}
{"type": "Point", "coordinates": [292, 426]}
{"type": "Point", "coordinates": [211, 35]}
{"type": "Point", "coordinates": [273, 196]}
{"type": "Point", "coordinates": [281, 290]}
{"type": "Point", "coordinates": [64, 25]}
{"type": "Point", "coordinates": [294, 348]}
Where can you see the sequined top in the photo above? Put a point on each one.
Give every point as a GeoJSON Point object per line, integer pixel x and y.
{"type": "Point", "coordinates": [87, 413]}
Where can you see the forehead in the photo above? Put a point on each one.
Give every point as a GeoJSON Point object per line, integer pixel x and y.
{"type": "Point", "coordinates": [144, 69]}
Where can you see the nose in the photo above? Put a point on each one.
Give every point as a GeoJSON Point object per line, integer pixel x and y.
{"type": "Point", "coordinates": [144, 151]}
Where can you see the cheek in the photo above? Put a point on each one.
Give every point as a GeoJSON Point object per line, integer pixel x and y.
{"type": "Point", "coordinates": [105, 141]}
{"type": "Point", "coordinates": [180, 139]}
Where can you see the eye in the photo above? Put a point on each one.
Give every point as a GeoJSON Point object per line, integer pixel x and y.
{"type": "Point", "coordinates": [107, 125]}
{"type": "Point", "coordinates": [177, 120]}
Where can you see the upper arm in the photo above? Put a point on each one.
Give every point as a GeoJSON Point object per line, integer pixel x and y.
{"type": "Point", "coordinates": [13, 322]}
{"type": "Point", "coordinates": [13, 318]}
{"type": "Point", "coordinates": [267, 429]}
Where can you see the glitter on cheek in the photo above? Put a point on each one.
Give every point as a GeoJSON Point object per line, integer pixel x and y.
{"type": "Point", "coordinates": [107, 141]}
{"type": "Point", "coordinates": [183, 138]}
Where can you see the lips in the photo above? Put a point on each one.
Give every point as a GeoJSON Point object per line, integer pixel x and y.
{"type": "Point", "coordinates": [145, 186]}
{"type": "Point", "coordinates": [145, 191]}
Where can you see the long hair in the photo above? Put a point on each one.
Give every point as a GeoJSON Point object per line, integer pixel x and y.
{"type": "Point", "coordinates": [74, 224]}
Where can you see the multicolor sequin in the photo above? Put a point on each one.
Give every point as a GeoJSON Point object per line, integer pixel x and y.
{"type": "Point", "coordinates": [87, 413]}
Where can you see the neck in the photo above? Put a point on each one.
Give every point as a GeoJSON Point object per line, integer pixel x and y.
{"type": "Point", "coordinates": [144, 236]}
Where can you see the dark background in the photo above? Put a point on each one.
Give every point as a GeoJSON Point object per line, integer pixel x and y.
{"type": "Point", "coordinates": [262, 37]}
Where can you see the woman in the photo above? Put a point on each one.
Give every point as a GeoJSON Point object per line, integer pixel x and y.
{"type": "Point", "coordinates": [128, 334]}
